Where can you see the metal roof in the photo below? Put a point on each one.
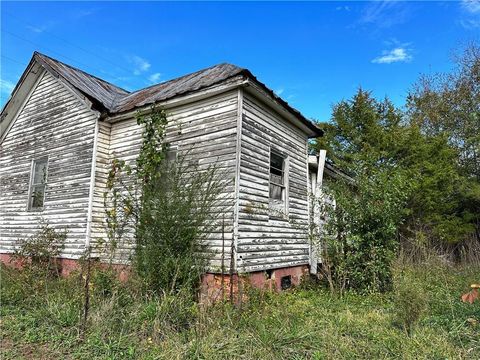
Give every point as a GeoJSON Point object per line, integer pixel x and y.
{"type": "Point", "coordinates": [95, 88]}
{"type": "Point", "coordinates": [116, 100]}
{"type": "Point", "coordinates": [182, 85]}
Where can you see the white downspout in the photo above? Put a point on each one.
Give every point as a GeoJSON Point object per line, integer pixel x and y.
{"type": "Point", "coordinates": [316, 192]}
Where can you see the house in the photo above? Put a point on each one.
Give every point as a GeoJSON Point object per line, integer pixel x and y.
{"type": "Point", "coordinates": [68, 125]}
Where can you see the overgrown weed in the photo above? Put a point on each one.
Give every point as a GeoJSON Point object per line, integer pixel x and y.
{"type": "Point", "coordinates": [311, 323]}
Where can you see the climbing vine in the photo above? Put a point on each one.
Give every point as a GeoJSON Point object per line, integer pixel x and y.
{"type": "Point", "coordinates": [165, 208]}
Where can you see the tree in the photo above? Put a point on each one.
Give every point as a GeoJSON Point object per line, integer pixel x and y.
{"type": "Point", "coordinates": [449, 104]}
{"type": "Point", "coordinates": [434, 145]}
{"type": "Point", "coordinates": [359, 241]}
{"type": "Point", "coordinates": [362, 133]}
{"type": "Point", "coordinates": [445, 108]}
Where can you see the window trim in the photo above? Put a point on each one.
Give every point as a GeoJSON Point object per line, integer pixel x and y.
{"type": "Point", "coordinates": [31, 184]}
{"type": "Point", "coordinates": [172, 149]}
{"type": "Point", "coordinates": [285, 186]}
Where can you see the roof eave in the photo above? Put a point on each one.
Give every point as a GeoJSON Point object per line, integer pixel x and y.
{"type": "Point", "coordinates": [229, 84]}
{"type": "Point", "coordinates": [279, 104]}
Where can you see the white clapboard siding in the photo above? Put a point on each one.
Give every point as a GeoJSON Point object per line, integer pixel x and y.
{"type": "Point", "coordinates": [55, 123]}
{"type": "Point", "coordinates": [265, 243]}
{"type": "Point", "coordinates": [102, 166]}
{"type": "Point", "coordinates": [206, 130]}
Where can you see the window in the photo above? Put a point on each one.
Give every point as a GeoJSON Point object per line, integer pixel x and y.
{"type": "Point", "coordinates": [38, 181]}
{"type": "Point", "coordinates": [172, 154]}
{"type": "Point", "coordinates": [278, 182]}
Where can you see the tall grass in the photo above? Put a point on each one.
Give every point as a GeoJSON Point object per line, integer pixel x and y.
{"type": "Point", "coordinates": [42, 320]}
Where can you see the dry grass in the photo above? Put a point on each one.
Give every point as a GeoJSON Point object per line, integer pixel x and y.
{"type": "Point", "coordinates": [309, 323]}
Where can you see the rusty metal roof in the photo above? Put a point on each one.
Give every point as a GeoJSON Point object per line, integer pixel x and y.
{"type": "Point", "coordinates": [96, 89]}
{"type": "Point", "coordinates": [182, 85]}
{"type": "Point", "coordinates": [115, 100]}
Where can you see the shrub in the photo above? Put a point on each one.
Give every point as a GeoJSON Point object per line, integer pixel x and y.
{"type": "Point", "coordinates": [39, 252]}
{"type": "Point", "coordinates": [169, 205]}
{"type": "Point", "coordinates": [176, 216]}
{"type": "Point", "coordinates": [358, 240]}
{"type": "Point", "coordinates": [410, 303]}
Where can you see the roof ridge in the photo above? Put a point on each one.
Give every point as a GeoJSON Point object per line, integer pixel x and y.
{"type": "Point", "coordinates": [37, 53]}
{"type": "Point", "coordinates": [117, 100]}
{"type": "Point", "coordinates": [184, 76]}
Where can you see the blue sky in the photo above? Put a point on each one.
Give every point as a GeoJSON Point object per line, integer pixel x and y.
{"type": "Point", "coordinates": [313, 54]}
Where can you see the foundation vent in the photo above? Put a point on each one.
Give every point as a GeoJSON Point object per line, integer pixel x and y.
{"type": "Point", "coordinates": [286, 282]}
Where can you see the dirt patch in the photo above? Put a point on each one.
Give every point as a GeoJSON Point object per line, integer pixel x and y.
{"type": "Point", "coordinates": [9, 349]}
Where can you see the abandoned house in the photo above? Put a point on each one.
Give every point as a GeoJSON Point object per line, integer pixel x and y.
{"type": "Point", "coordinates": [69, 125]}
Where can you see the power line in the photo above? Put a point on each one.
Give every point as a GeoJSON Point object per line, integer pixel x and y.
{"type": "Point", "coordinates": [71, 44]}
{"type": "Point", "coordinates": [50, 50]}
{"type": "Point", "coordinates": [58, 53]}
{"type": "Point", "coordinates": [13, 60]}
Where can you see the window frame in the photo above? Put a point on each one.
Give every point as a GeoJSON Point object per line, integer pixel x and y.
{"type": "Point", "coordinates": [172, 149]}
{"type": "Point", "coordinates": [282, 214]}
{"type": "Point", "coordinates": [31, 184]}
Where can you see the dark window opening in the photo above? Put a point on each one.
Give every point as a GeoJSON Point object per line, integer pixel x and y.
{"type": "Point", "coordinates": [277, 193]}
{"type": "Point", "coordinates": [171, 155]}
{"type": "Point", "coordinates": [38, 183]}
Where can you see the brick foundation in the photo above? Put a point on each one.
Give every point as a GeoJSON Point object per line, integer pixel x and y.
{"type": "Point", "coordinates": [65, 266]}
{"type": "Point", "coordinates": [211, 287]}
{"type": "Point", "coordinates": [264, 280]}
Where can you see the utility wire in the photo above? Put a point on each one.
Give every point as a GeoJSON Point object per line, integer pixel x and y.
{"type": "Point", "coordinates": [59, 54]}
{"type": "Point", "coordinates": [13, 60]}
{"type": "Point", "coordinates": [71, 44]}
{"type": "Point", "coordinates": [50, 50]}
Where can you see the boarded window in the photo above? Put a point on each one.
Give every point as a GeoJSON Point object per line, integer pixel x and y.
{"type": "Point", "coordinates": [38, 182]}
{"type": "Point", "coordinates": [277, 184]}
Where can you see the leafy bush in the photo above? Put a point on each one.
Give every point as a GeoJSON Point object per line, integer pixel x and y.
{"type": "Point", "coordinates": [169, 205]}
{"type": "Point", "coordinates": [176, 216]}
{"type": "Point", "coordinates": [39, 251]}
{"type": "Point", "coordinates": [359, 241]}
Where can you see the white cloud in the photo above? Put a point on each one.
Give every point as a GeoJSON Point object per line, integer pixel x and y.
{"type": "Point", "coordinates": [340, 8]}
{"type": "Point", "coordinates": [471, 6]}
{"type": "Point", "coordinates": [6, 87]}
{"type": "Point", "coordinates": [384, 14]}
{"type": "Point", "coordinates": [154, 78]}
{"type": "Point", "coordinates": [279, 92]}
{"type": "Point", "coordinates": [37, 29]}
{"type": "Point", "coordinates": [398, 54]}
{"type": "Point", "coordinates": [471, 16]}
{"type": "Point", "coordinates": [86, 12]}
{"type": "Point", "coordinates": [140, 65]}
{"type": "Point", "coordinates": [470, 23]}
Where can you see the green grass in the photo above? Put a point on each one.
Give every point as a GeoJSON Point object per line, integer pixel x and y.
{"type": "Point", "coordinates": [41, 320]}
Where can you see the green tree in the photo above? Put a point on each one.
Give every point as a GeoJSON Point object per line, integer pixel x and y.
{"type": "Point", "coordinates": [360, 240]}
{"type": "Point", "coordinates": [362, 133]}
{"type": "Point", "coordinates": [449, 104]}
{"type": "Point", "coordinates": [366, 137]}
{"type": "Point", "coordinates": [445, 108]}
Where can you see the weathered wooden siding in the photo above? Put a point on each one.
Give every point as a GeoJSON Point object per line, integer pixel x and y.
{"type": "Point", "coordinates": [265, 243]}
{"type": "Point", "coordinates": [102, 164]}
{"type": "Point", "coordinates": [54, 123]}
{"type": "Point", "coordinates": [206, 129]}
